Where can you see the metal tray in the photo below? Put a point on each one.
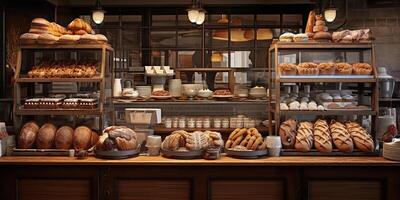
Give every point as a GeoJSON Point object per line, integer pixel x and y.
{"type": "Point", "coordinates": [246, 154]}
{"type": "Point", "coordinates": [116, 155]}
{"type": "Point", "coordinates": [182, 154]}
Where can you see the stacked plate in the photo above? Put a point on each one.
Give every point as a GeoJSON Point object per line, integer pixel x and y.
{"type": "Point", "coordinates": [391, 150]}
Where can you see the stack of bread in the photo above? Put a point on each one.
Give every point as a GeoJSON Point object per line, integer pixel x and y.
{"type": "Point", "coordinates": [192, 141]}
{"type": "Point", "coordinates": [49, 137]}
{"type": "Point", "coordinates": [45, 32]}
{"type": "Point", "coordinates": [324, 137]}
{"type": "Point", "coordinates": [246, 140]}
{"type": "Point", "coordinates": [119, 138]}
{"type": "Point", "coordinates": [321, 30]}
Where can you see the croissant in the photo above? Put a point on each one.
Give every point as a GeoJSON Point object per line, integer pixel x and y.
{"type": "Point", "coordinates": [322, 136]}
{"type": "Point", "coordinates": [341, 137]}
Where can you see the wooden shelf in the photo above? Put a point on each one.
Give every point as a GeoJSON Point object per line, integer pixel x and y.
{"type": "Point", "coordinates": [67, 46]}
{"type": "Point", "coordinates": [160, 129]}
{"type": "Point", "coordinates": [389, 99]}
{"type": "Point", "coordinates": [328, 79]}
{"type": "Point", "coordinates": [45, 80]}
{"type": "Point", "coordinates": [327, 112]}
{"type": "Point", "coordinates": [58, 112]}
{"type": "Point", "coordinates": [320, 45]}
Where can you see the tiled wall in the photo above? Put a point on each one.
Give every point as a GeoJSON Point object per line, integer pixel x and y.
{"type": "Point", "coordinates": [385, 26]}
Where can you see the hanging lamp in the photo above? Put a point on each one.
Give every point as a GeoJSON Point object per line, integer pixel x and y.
{"type": "Point", "coordinates": [98, 13]}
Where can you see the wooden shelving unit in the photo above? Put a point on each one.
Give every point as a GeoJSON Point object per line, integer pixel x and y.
{"type": "Point", "coordinates": [297, 48]}
{"type": "Point", "coordinates": [19, 112]}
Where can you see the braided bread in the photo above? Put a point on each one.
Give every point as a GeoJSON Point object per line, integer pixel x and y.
{"type": "Point", "coordinates": [287, 132]}
{"type": "Point", "coordinates": [246, 140]}
{"type": "Point", "coordinates": [341, 137]}
{"type": "Point", "coordinates": [362, 140]}
{"type": "Point", "coordinates": [322, 136]}
{"type": "Point", "coordinates": [304, 138]}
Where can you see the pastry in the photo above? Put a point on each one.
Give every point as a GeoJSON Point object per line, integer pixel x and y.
{"type": "Point", "coordinates": [287, 69]}
{"type": "Point", "coordinates": [79, 24]}
{"type": "Point", "coordinates": [286, 37]}
{"type": "Point", "coordinates": [327, 68]}
{"type": "Point", "coordinates": [82, 136]}
{"type": "Point", "coordinates": [245, 139]}
{"type": "Point", "coordinates": [362, 140]}
{"type": "Point", "coordinates": [64, 137]}
{"type": "Point", "coordinates": [304, 137]}
{"type": "Point", "coordinates": [196, 141]}
{"type": "Point", "coordinates": [344, 69]}
{"type": "Point", "coordinates": [45, 136]}
{"type": "Point", "coordinates": [341, 137]}
{"type": "Point", "coordinates": [308, 68]}
{"type": "Point", "coordinates": [27, 135]}
{"type": "Point", "coordinates": [322, 136]}
{"type": "Point", "coordinates": [301, 37]}
{"type": "Point", "coordinates": [215, 139]}
{"type": "Point", "coordinates": [287, 132]}
{"type": "Point", "coordinates": [310, 22]}
{"type": "Point", "coordinates": [362, 68]}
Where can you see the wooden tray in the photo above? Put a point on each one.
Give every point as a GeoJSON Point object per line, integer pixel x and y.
{"type": "Point", "coordinates": [41, 152]}
{"type": "Point", "coordinates": [246, 154]}
{"type": "Point", "coordinates": [117, 155]}
{"type": "Point", "coordinates": [182, 154]}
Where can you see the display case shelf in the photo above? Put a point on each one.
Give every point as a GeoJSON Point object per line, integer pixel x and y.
{"type": "Point", "coordinates": [328, 79]}
{"type": "Point", "coordinates": [327, 112]}
{"type": "Point", "coordinates": [320, 45]}
{"type": "Point", "coordinates": [46, 80]}
{"type": "Point", "coordinates": [58, 112]}
{"type": "Point", "coordinates": [66, 46]}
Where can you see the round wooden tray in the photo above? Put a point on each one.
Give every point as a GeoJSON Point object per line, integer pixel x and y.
{"type": "Point", "coordinates": [116, 155]}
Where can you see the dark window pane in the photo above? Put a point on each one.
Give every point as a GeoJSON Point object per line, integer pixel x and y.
{"type": "Point", "coordinates": [238, 20]}
{"type": "Point", "coordinates": [292, 20]}
{"type": "Point", "coordinates": [268, 20]}
{"type": "Point", "coordinates": [216, 38]}
{"type": "Point", "coordinates": [163, 38]}
{"type": "Point", "coordinates": [189, 38]}
{"type": "Point", "coordinates": [163, 20]}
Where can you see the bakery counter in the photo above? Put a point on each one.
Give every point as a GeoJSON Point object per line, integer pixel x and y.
{"type": "Point", "coordinates": [146, 177]}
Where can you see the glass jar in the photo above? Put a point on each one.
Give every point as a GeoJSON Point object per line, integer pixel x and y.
{"type": "Point", "coordinates": [168, 122]}
{"type": "Point", "coordinates": [225, 123]}
{"type": "Point", "coordinates": [182, 122]}
{"type": "Point", "coordinates": [175, 122]}
{"type": "Point", "coordinates": [191, 122]}
{"type": "Point", "coordinates": [239, 122]}
{"type": "Point", "coordinates": [199, 122]}
{"type": "Point", "coordinates": [232, 122]}
{"type": "Point", "coordinates": [217, 122]}
{"type": "Point", "coordinates": [206, 122]}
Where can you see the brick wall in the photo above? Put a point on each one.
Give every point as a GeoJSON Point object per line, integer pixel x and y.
{"type": "Point", "coordinates": [385, 26]}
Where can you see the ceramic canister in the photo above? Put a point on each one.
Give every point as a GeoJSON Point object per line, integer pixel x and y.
{"type": "Point", "coordinates": [175, 87]}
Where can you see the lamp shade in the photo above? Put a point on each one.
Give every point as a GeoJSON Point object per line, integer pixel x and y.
{"type": "Point", "coordinates": [98, 16]}
{"type": "Point", "coordinates": [192, 15]}
{"type": "Point", "coordinates": [330, 14]}
{"type": "Point", "coordinates": [200, 18]}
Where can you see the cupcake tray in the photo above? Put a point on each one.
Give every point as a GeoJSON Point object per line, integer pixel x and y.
{"type": "Point", "coordinates": [335, 152]}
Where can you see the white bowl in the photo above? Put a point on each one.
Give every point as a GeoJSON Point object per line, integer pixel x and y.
{"type": "Point", "coordinates": [205, 93]}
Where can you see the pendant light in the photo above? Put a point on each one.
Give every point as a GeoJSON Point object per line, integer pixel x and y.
{"type": "Point", "coordinates": [330, 12]}
{"type": "Point", "coordinates": [98, 13]}
{"type": "Point", "coordinates": [196, 14]}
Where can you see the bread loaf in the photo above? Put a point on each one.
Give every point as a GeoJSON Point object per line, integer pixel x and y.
{"type": "Point", "coordinates": [64, 137]}
{"type": "Point", "coordinates": [28, 38]}
{"type": "Point", "coordinates": [287, 132]}
{"type": "Point", "coordinates": [362, 140]}
{"type": "Point", "coordinates": [322, 136]}
{"type": "Point", "coordinates": [310, 22]}
{"type": "Point", "coordinates": [341, 137]}
{"type": "Point", "coordinates": [122, 137]}
{"type": "Point", "coordinates": [45, 137]}
{"type": "Point", "coordinates": [27, 135]}
{"type": "Point", "coordinates": [94, 138]}
{"type": "Point", "coordinates": [304, 137]}
{"type": "Point", "coordinates": [82, 136]}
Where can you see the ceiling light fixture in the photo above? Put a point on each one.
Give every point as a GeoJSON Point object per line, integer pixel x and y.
{"type": "Point", "coordinates": [196, 14]}
{"type": "Point", "coordinates": [98, 13]}
{"type": "Point", "coordinates": [330, 12]}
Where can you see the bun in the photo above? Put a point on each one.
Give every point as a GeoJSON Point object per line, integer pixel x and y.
{"type": "Point", "coordinates": [64, 137]}
{"type": "Point", "coordinates": [304, 138]}
{"type": "Point", "coordinates": [40, 22]}
{"type": "Point", "coordinates": [82, 136]}
{"type": "Point", "coordinates": [45, 137]}
{"type": "Point", "coordinates": [27, 135]}
{"type": "Point", "coordinates": [286, 37]}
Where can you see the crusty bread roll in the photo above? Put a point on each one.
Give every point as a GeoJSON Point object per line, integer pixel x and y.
{"type": "Point", "coordinates": [69, 39]}
{"type": "Point", "coordinates": [45, 137]}
{"type": "Point", "coordinates": [38, 30]}
{"type": "Point", "coordinates": [362, 140]}
{"type": "Point", "coordinates": [341, 137]}
{"type": "Point", "coordinates": [28, 38]}
{"type": "Point", "coordinates": [82, 136]}
{"type": "Point", "coordinates": [322, 136]}
{"type": "Point", "coordinates": [27, 135]}
{"type": "Point", "coordinates": [304, 137]}
{"type": "Point", "coordinates": [88, 38]}
{"type": "Point", "coordinates": [40, 22]}
{"type": "Point", "coordinates": [47, 39]}
{"type": "Point", "coordinates": [64, 137]}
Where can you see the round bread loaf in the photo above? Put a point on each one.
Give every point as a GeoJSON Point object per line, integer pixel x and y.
{"type": "Point", "coordinates": [45, 137]}
{"type": "Point", "coordinates": [94, 137]}
{"type": "Point", "coordinates": [82, 136]}
{"type": "Point", "coordinates": [40, 22]}
{"type": "Point", "coordinates": [64, 137]}
{"type": "Point", "coordinates": [68, 39]}
{"type": "Point", "coordinates": [27, 135]}
{"type": "Point", "coordinates": [28, 38]}
{"type": "Point", "coordinates": [322, 36]}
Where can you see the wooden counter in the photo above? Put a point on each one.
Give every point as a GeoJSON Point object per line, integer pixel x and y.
{"type": "Point", "coordinates": [224, 161]}
{"type": "Point", "coordinates": [149, 178]}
